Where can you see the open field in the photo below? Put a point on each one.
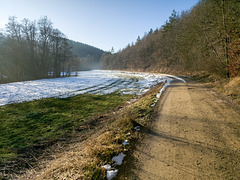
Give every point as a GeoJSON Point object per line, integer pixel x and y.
{"type": "Point", "coordinates": [116, 134]}
{"type": "Point", "coordinates": [40, 123]}
{"type": "Point", "coordinates": [63, 107]}
{"type": "Point", "coordinates": [92, 82]}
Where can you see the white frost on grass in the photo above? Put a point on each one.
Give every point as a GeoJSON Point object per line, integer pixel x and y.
{"type": "Point", "coordinates": [118, 159]}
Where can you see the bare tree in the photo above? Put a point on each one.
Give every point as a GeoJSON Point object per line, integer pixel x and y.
{"type": "Point", "coordinates": [29, 33]}
{"type": "Point", "coordinates": [14, 49]}
{"type": "Point", "coordinates": [44, 46]}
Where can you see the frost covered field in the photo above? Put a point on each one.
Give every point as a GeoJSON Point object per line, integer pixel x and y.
{"type": "Point", "coordinates": [97, 82]}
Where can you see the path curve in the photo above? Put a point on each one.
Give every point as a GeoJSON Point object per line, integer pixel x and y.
{"type": "Point", "coordinates": [196, 136]}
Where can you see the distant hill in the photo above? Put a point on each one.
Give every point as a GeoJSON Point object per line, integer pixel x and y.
{"type": "Point", "coordinates": [89, 56]}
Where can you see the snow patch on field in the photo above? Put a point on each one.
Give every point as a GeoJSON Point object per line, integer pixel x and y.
{"type": "Point", "coordinates": [163, 88]}
{"type": "Point", "coordinates": [174, 77]}
{"type": "Point", "coordinates": [95, 82]}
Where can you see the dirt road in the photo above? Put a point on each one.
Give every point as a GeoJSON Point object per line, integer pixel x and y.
{"type": "Point", "coordinates": [196, 136]}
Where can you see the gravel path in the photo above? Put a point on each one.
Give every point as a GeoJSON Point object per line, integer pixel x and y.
{"type": "Point", "coordinates": [196, 136]}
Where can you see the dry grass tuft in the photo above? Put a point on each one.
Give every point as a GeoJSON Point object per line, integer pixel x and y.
{"type": "Point", "coordinates": [229, 87]}
{"type": "Point", "coordinates": [232, 89]}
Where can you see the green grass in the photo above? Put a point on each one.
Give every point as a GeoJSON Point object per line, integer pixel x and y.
{"type": "Point", "coordinates": [27, 124]}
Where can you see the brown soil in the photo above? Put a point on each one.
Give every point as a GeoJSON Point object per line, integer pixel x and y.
{"type": "Point", "coordinates": [196, 136]}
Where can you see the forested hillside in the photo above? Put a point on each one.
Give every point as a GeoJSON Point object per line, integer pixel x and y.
{"type": "Point", "coordinates": [35, 49]}
{"type": "Point", "coordinates": [205, 38]}
{"type": "Point", "coordinates": [89, 56]}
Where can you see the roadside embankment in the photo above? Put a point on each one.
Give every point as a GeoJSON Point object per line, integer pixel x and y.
{"type": "Point", "coordinates": [95, 157]}
{"type": "Point", "coordinates": [229, 87]}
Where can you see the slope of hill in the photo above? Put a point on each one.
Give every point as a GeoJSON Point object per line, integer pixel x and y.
{"type": "Point", "coordinates": [89, 55]}
{"type": "Point", "coordinates": [82, 50]}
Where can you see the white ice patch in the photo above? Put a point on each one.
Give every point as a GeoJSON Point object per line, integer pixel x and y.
{"type": "Point", "coordinates": [125, 143]}
{"type": "Point", "coordinates": [111, 174]}
{"type": "Point", "coordinates": [174, 77]}
{"type": "Point", "coordinates": [152, 105]}
{"type": "Point", "coordinates": [118, 159]}
{"type": "Point", "coordinates": [163, 88]}
{"type": "Point", "coordinates": [137, 128]}
{"type": "Point", "coordinates": [107, 167]}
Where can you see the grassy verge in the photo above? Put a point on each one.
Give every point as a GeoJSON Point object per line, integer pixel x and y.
{"type": "Point", "coordinates": [85, 161]}
{"type": "Point", "coordinates": [110, 143]}
{"type": "Point", "coordinates": [37, 123]}
{"type": "Point", "coordinates": [228, 87]}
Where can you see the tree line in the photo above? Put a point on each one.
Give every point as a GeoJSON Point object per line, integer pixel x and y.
{"type": "Point", "coordinates": [34, 50]}
{"type": "Point", "coordinates": [205, 38]}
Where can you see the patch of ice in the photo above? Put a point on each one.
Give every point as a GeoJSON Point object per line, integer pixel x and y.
{"type": "Point", "coordinates": [111, 174]}
{"type": "Point", "coordinates": [174, 77]}
{"type": "Point", "coordinates": [107, 167]}
{"type": "Point", "coordinates": [163, 88]}
{"type": "Point", "coordinates": [118, 159]}
{"type": "Point", "coordinates": [131, 101]}
{"type": "Point", "coordinates": [125, 143]}
{"type": "Point", "coordinates": [137, 128]}
{"type": "Point", "coordinates": [152, 105]}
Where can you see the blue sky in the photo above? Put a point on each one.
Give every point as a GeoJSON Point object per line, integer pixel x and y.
{"type": "Point", "coordinates": [100, 23]}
